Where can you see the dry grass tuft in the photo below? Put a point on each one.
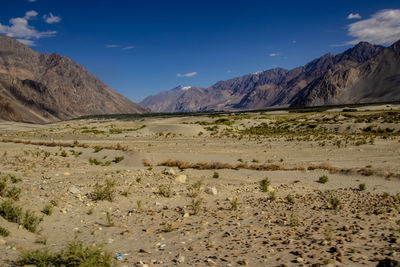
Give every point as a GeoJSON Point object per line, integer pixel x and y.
{"type": "Point", "coordinates": [61, 144]}
{"type": "Point", "coordinates": [271, 167]}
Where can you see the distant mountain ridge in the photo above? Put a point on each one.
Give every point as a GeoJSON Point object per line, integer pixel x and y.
{"type": "Point", "coordinates": [363, 73]}
{"type": "Point", "coordinates": [45, 88]}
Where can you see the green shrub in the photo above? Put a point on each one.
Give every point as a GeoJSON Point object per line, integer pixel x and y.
{"type": "Point", "coordinates": [4, 231]}
{"type": "Point", "coordinates": [290, 199]}
{"type": "Point", "coordinates": [3, 185]}
{"type": "Point", "coordinates": [167, 228]}
{"type": "Point", "coordinates": [53, 203]}
{"type": "Point", "coordinates": [195, 205]}
{"type": "Point", "coordinates": [76, 254]}
{"type": "Point", "coordinates": [294, 221]}
{"type": "Point", "coordinates": [13, 193]}
{"type": "Point", "coordinates": [323, 179]}
{"type": "Point", "coordinates": [118, 159]}
{"type": "Point", "coordinates": [97, 149]}
{"type": "Point", "coordinates": [31, 221]}
{"type": "Point", "coordinates": [40, 258]}
{"type": "Point", "coordinates": [335, 203]}
{"type": "Point", "coordinates": [272, 196]}
{"type": "Point", "coordinates": [110, 221]}
{"type": "Point", "coordinates": [11, 212]}
{"type": "Point", "coordinates": [264, 183]}
{"type": "Point", "coordinates": [164, 190]}
{"type": "Point", "coordinates": [14, 179]}
{"type": "Point", "coordinates": [104, 191]}
{"type": "Point", "coordinates": [48, 209]}
{"type": "Point", "coordinates": [234, 204]}
{"type": "Point", "coordinates": [63, 154]}
{"type": "Point", "coordinates": [216, 175]}
{"type": "Point", "coordinates": [195, 189]}
{"type": "Point", "coordinates": [362, 187]}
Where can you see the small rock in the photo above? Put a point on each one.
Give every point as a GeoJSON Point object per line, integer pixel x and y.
{"type": "Point", "coordinates": [299, 260]}
{"type": "Point", "coordinates": [181, 178]}
{"type": "Point", "coordinates": [180, 259]}
{"type": "Point", "coordinates": [186, 215]}
{"type": "Point", "coordinates": [169, 172]}
{"type": "Point", "coordinates": [243, 262]}
{"type": "Point", "coordinates": [388, 263]}
{"type": "Point", "coordinates": [270, 189]}
{"type": "Point", "coordinates": [67, 174]}
{"type": "Point", "coordinates": [74, 190]}
{"type": "Point", "coordinates": [212, 191]}
{"type": "Point", "coordinates": [2, 242]}
{"type": "Point", "coordinates": [210, 262]}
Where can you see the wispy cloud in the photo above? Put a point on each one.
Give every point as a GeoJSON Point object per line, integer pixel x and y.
{"type": "Point", "coordinates": [383, 27]}
{"type": "Point", "coordinates": [31, 1]}
{"type": "Point", "coordinates": [274, 54]}
{"type": "Point", "coordinates": [354, 16]}
{"type": "Point", "coordinates": [50, 19]}
{"type": "Point", "coordinates": [189, 74]}
{"type": "Point", "coordinates": [294, 42]}
{"type": "Point", "coordinates": [129, 47]}
{"type": "Point", "coordinates": [229, 71]}
{"type": "Point", "coordinates": [20, 29]}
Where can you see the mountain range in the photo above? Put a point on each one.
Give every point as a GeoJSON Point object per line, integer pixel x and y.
{"type": "Point", "coordinates": [363, 73]}
{"type": "Point", "coordinates": [44, 88]}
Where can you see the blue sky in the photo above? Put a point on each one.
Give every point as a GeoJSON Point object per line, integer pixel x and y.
{"type": "Point", "coordinates": [142, 47]}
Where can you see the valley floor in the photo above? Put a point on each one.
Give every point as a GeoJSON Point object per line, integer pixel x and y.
{"type": "Point", "coordinates": [186, 191]}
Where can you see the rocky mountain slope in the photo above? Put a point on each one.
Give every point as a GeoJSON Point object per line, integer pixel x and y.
{"type": "Point", "coordinates": [44, 88]}
{"type": "Point", "coordinates": [363, 73]}
{"type": "Point", "coordinates": [374, 80]}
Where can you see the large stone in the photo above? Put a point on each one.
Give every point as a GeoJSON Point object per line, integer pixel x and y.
{"type": "Point", "coordinates": [181, 178]}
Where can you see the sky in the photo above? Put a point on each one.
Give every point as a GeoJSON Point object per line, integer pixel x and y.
{"type": "Point", "coordinates": [140, 48]}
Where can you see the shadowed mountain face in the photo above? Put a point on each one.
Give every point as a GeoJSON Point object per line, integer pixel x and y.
{"type": "Point", "coordinates": [44, 88]}
{"type": "Point", "coordinates": [364, 73]}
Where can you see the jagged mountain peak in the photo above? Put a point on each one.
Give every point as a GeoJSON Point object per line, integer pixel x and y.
{"type": "Point", "coordinates": [360, 52]}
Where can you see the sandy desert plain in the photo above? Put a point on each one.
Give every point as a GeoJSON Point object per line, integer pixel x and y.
{"type": "Point", "coordinates": [256, 189]}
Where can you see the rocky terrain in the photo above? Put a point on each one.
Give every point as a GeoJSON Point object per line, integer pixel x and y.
{"type": "Point", "coordinates": [45, 88]}
{"type": "Point", "coordinates": [254, 189]}
{"type": "Point", "coordinates": [364, 73]}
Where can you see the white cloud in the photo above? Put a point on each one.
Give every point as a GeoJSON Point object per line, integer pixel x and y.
{"type": "Point", "coordinates": [354, 16]}
{"type": "Point", "coordinates": [112, 46]}
{"type": "Point", "coordinates": [190, 74]}
{"type": "Point", "coordinates": [50, 19]}
{"type": "Point", "coordinates": [30, 14]}
{"type": "Point", "coordinates": [19, 28]}
{"type": "Point", "coordinates": [382, 28]}
{"type": "Point", "coordinates": [128, 47]}
{"type": "Point", "coordinates": [274, 54]}
{"type": "Point", "coordinates": [27, 42]}
{"type": "Point", "coordinates": [185, 88]}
